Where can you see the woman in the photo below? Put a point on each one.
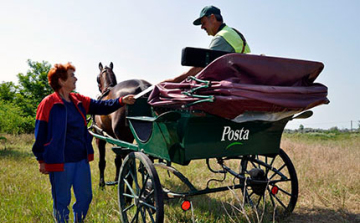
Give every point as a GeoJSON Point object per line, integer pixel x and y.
{"type": "Point", "coordinates": [62, 143]}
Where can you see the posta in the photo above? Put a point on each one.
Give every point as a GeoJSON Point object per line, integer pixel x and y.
{"type": "Point", "coordinates": [234, 135]}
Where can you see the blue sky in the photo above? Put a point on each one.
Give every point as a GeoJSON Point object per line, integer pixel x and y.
{"type": "Point", "coordinates": [144, 40]}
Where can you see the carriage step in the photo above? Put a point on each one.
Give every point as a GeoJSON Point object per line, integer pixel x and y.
{"type": "Point", "coordinates": [118, 150]}
{"type": "Point", "coordinates": [111, 183]}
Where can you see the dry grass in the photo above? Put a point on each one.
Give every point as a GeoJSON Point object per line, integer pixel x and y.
{"type": "Point", "coordinates": [329, 178]}
{"type": "Point", "coordinates": [328, 170]}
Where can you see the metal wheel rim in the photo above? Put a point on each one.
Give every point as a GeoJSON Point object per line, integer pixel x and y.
{"type": "Point", "coordinates": [281, 191]}
{"type": "Point", "coordinates": [139, 190]}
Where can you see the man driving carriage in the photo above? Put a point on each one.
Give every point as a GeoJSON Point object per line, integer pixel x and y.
{"type": "Point", "coordinates": [225, 38]}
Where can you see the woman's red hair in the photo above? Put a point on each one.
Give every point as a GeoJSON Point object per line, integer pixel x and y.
{"type": "Point", "coordinates": [59, 71]}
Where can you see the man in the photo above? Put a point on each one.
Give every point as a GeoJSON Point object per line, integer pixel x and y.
{"type": "Point", "coordinates": [225, 38]}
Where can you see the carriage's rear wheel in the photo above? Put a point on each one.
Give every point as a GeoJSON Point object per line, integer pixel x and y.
{"type": "Point", "coordinates": [140, 191]}
{"type": "Point", "coordinates": [279, 194]}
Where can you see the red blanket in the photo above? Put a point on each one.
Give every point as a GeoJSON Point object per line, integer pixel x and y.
{"type": "Point", "coordinates": [242, 83]}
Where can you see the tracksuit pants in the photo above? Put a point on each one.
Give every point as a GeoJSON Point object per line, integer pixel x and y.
{"type": "Point", "coordinates": [76, 175]}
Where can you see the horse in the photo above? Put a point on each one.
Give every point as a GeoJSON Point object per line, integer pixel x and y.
{"type": "Point", "coordinates": [114, 124]}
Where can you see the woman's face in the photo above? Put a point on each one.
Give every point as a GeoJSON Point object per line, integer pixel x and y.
{"type": "Point", "coordinates": [70, 83]}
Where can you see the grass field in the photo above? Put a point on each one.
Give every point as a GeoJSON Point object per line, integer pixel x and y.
{"type": "Point", "coordinates": [327, 165]}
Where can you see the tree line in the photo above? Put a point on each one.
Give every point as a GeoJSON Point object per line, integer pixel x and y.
{"type": "Point", "coordinates": [18, 102]}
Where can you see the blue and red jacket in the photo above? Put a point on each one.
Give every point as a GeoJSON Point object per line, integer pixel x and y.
{"type": "Point", "coordinates": [50, 127]}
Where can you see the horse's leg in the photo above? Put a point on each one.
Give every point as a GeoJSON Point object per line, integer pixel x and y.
{"type": "Point", "coordinates": [102, 161]}
{"type": "Point", "coordinates": [118, 162]}
{"type": "Point", "coordinates": [122, 132]}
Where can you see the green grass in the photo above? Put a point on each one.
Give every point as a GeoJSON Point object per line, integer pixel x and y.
{"type": "Point", "coordinates": [328, 168]}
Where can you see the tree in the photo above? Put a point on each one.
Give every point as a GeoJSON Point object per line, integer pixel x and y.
{"type": "Point", "coordinates": [301, 128]}
{"type": "Point", "coordinates": [13, 121]}
{"type": "Point", "coordinates": [34, 85]}
{"type": "Point", "coordinates": [334, 129]}
{"type": "Point", "coordinates": [19, 102]}
{"type": "Point", "coordinates": [7, 91]}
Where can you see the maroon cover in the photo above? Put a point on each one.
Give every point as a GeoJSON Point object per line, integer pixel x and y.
{"type": "Point", "coordinates": [243, 82]}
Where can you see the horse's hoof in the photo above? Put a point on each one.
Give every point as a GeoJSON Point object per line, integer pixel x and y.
{"type": "Point", "coordinates": [102, 184]}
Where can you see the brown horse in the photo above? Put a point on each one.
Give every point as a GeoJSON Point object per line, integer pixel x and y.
{"type": "Point", "coordinates": [114, 124]}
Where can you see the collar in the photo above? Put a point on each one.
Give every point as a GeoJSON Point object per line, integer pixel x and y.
{"type": "Point", "coordinates": [73, 98]}
{"type": "Point", "coordinates": [221, 27]}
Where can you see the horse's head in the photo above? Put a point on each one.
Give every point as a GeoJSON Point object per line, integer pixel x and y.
{"type": "Point", "coordinates": [106, 78]}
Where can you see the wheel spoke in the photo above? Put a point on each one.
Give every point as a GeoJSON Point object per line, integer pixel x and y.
{"type": "Point", "coordinates": [128, 195]}
{"type": "Point", "coordinates": [151, 215]}
{"type": "Point", "coordinates": [282, 204]}
{"type": "Point", "coordinates": [135, 179]}
{"type": "Point", "coordinates": [249, 198]}
{"type": "Point", "coordinates": [278, 172]}
{"type": "Point", "coordinates": [130, 188]}
{"type": "Point", "coordinates": [273, 182]}
{"type": "Point", "coordinates": [271, 198]}
{"type": "Point", "coordinates": [150, 194]}
{"type": "Point", "coordinates": [258, 202]}
{"type": "Point", "coordinates": [130, 206]}
{"type": "Point", "coordinates": [144, 186]}
{"type": "Point", "coordinates": [270, 166]}
{"type": "Point", "coordinates": [143, 213]}
{"type": "Point", "coordinates": [148, 205]}
{"type": "Point", "coordinates": [285, 192]}
{"type": "Point", "coordinates": [139, 192]}
{"type": "Point", "coordinates": [252, 192]}
{"type": "Point", "coordinates": [136, 217]}
{"type": "Point", "coordinates": [252, 162]}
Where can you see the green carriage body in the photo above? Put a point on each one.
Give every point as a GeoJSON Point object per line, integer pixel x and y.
{"type": "Point", "coordinates": [170, 126]}
{"type": "Point", "coordinates": [180, 136]}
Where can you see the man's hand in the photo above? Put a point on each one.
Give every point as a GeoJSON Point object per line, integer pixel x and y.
{"type": "Point", "coordinates": [42, 168]}
{"type": "Point", "coordinates": [128, 99]}
{"type": "Point", "coordinates": [191, 72]}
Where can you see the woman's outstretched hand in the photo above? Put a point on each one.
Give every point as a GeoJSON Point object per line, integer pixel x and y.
{"type": "Point", "coordinates": [128, 99]}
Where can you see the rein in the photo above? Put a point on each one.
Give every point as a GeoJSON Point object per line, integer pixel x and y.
{"type": "Point", "coordinates": [107, 89]}
{"type": "Point", "coordinates": [106, 92]}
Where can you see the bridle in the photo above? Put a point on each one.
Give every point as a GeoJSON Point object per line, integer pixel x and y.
{"type": "Point", "coordinates": [107, 89]}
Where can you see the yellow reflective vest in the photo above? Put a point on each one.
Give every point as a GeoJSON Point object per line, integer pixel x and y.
{"type": "Point", "coordinates": [234, 39]}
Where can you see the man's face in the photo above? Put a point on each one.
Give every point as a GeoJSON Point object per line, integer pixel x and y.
{"type": "Point", "coordinates": [208, 24]}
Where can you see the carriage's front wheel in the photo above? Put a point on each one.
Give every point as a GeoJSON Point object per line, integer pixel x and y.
{"type": "Point", "coordinates": [140, 192]}
{"type": "Point", "coordinates": [279, 194]}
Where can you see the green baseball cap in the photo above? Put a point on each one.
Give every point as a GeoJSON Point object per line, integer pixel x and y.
{"type": "Point", "coordinates": [206, 11]}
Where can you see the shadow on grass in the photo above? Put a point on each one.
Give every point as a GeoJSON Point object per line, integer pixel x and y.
{"type": "Point", "coordinates": [316, 215]}
{"type": "Point", "coordinates": [212, 206]}
{"type": "Point", "coordinates": [12, 153]}
{"type": "Point", "coordinates": [204, 204]}
{"type": "Point", "coordinates": [312, 215]}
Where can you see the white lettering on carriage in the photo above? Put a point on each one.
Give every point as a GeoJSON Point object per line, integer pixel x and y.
{"type": "Point", "coordinates": [234, 135]}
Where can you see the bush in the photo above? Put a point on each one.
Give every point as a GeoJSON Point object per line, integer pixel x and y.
{"type": "Point", "coordinates": [13, 121]}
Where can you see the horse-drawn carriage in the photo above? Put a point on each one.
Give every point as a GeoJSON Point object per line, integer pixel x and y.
{"type": "Point", "coordinates": [235, 110]}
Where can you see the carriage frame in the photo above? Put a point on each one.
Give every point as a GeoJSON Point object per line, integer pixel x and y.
{"type": "Point", "coordinates": [265, 176]}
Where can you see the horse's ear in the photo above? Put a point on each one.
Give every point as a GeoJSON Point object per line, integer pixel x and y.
{"type": "Point", "coordinates": [100, 66]}
{"type": "Point", "coordinates": [111, 65]}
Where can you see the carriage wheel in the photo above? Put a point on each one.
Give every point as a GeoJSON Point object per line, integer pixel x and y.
{"type": "Point", "coordinates": [140, 192]}
{"type": "Point", "coordinates": [279, 194]}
